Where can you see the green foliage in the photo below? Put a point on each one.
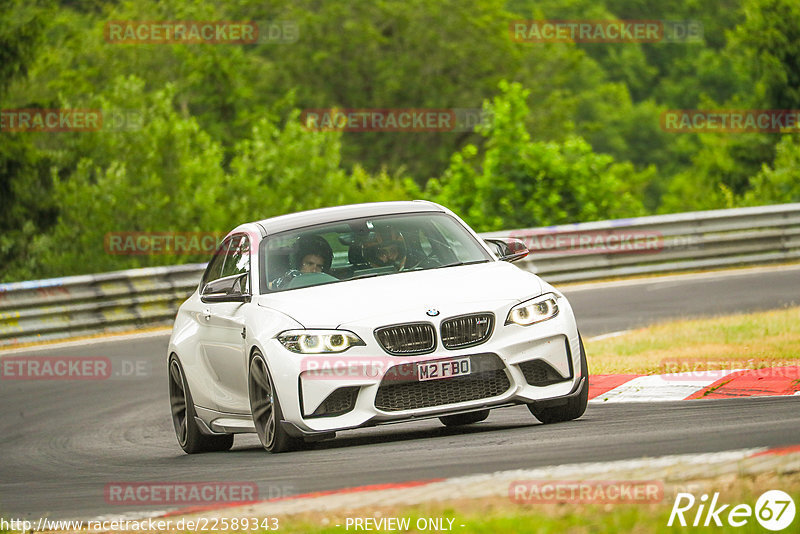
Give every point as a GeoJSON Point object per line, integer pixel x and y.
{"type": "Point", "coordinates": [520, 183]}
{"type": "Point", "coordinates": [780, 182]}
{"type": "Point", "coordinates": [26, 208]}
{"type": "Point", "coordinates": [725, 169]}
{"type": "Point", "coordinates": [24, 176]}
{"type": "Point", "coordinates": [21, 28]}
{"type": "Point", "coordinates": [720, 173]}
{"type": "Point", "coordinates": [770, 40]}
{"type": "Point", "coordinates": [279, 171]}
{"type": "Point", "coordinates": [421, 54]}
{"type": "Point", "coordinates": [148, 180]}
{"type": "Point", "coordinates": [168, 177]}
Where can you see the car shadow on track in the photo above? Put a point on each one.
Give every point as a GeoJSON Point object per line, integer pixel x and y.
{"type": "Point", "coordinates": [376, 435]}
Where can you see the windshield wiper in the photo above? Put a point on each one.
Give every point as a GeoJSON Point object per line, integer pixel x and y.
{"type": "Point", "coordinates": [460, 263]}
{"type": "Point", "coordinates": [368, 275]}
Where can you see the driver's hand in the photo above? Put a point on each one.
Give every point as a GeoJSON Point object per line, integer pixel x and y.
{"type": "Point", "coordinates": [283, 281]}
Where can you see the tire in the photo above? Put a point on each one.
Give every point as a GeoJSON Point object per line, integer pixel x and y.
{"type": "Point", "coordinates": [189, 436]}
{"type": "Point", "coordinates": [266, 408]}
{"type": "Point", "coordinates": [574, 408]}
{"type": "Point", "coordinates": [464, 418]}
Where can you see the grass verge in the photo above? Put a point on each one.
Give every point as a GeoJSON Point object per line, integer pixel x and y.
{"type": "Point", "coordinates": [754, 340]}
{"type": "Point", "coordinates": [501, 515]}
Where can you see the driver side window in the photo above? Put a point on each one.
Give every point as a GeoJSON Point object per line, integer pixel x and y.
{"type": "Point", "coordinates": [237, 259]}
{"type": "Point", "coordinates": [232, 258]}
{"type": "Point", "coordinates": [214, 269]}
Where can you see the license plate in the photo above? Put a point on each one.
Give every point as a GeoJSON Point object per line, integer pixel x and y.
{"type": "Point", "coordinates": [443, 369]}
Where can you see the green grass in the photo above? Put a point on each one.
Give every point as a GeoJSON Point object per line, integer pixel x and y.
{"type": "Point", "coordinates": [755, 340]}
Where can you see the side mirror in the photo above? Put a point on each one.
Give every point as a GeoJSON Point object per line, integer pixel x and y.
{"type": "Point", "coordinates": [508, 248]}
{"type": "Point", "coordinates": [228, 289]}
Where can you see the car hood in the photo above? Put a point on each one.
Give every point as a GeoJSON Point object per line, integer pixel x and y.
{"type": "Point", "coordinates": [449, 290]}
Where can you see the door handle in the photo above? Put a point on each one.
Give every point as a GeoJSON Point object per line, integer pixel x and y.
{"type": "Point", "coordinates": [206, 314]}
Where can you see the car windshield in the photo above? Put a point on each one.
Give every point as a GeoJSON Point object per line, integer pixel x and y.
{"type": "Point", "coordinates": [365, 247]}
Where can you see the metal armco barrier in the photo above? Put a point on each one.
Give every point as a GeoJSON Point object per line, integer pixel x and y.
{"type": "Point", "coordinates": [125, 300]}
{"type": "Point", "coordinates": [81, 305]}
{"type": "Point", "coordinates": [662, 243]}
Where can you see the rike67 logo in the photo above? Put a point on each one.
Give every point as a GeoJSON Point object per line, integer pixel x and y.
{"type": "Point", "coordinates": [774, 510]}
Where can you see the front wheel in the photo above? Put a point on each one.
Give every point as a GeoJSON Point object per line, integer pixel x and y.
{"type": "Point", "coordinates": [190, 438]}
{"type": "Point", "coordinates": [266, 408]}
{"type": "Point", "coordinates": [574, 407]}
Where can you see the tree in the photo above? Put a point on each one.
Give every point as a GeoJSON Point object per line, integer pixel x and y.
{"type": "Point", "coordinates": [522, 183]}
{"type": "Point", "coordinates": [770, 41]}
{"type": "Point", "coordinates": [159, 177]}
{"type": "Point", "coordinates": [779, 182]}
{"type": "Point", "coordinates": [25, 204]}
{"type": "Point", "coordinates": [279, 170]}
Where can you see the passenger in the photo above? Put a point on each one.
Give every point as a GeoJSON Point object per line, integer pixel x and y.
{"type": "Point", "coordinates": [310, 254]}
{"type": "Point", "coordinates": [314, 255]}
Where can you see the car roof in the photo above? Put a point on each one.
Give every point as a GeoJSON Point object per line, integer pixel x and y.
{"type": "Point", "coordinates": [302, 219]}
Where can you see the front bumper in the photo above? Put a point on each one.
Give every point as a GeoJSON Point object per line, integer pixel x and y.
{"type": "Point", "coordinates": [295, 431]}
{"type": "Point", "coordinates": [537, 364]}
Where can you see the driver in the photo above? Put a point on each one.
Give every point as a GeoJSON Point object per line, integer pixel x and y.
{"type": "Point", "coordinates": [388, 248]}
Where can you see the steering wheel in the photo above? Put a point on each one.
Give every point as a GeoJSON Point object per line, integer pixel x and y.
{"type": "Point", "coordinates": [429, 262]}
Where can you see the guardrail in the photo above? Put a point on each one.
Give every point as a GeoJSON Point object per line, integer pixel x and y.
{"type": "Point", "coordinates": [662, 243]}
{"type": "Point", "coordinates": [56, 308]}
{"type": "Point", "coordinates": [125, 300]}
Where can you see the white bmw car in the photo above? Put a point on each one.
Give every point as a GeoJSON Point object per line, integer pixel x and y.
{"type": "Point", "coordinates": [339, 318]}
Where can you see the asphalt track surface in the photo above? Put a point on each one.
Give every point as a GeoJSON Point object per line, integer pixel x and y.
{"type": "Point", "coordinates": [62, 442]}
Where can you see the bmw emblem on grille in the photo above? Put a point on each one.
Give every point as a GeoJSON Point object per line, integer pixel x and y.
{"type": "Point", "coordinates": [432, 312]}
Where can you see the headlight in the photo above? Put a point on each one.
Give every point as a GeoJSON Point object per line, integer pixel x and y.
{"type": "Point", "coordinates": [318, 341]}
{"type": "Point", "coordinates": [534, 311]}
